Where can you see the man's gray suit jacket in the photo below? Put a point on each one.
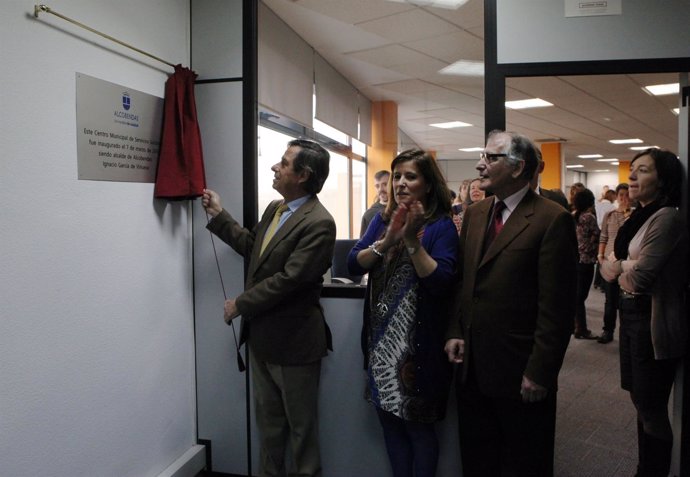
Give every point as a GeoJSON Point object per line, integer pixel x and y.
{"type": "Point", "coordinates": [282, 319]}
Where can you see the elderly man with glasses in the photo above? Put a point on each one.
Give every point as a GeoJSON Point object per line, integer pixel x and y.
{"type": "Point", "coordinates": [514, 312]}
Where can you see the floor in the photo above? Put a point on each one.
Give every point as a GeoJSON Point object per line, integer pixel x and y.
{"type": "Point", "coordinates": [596, 431]}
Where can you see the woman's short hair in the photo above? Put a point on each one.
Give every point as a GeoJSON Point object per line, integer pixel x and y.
{"type": "Point", "coordinates": [670, 173]}
{"type": "Point", "coordinates": [438, 197]}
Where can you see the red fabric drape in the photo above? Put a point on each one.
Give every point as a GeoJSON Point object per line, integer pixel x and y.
{"type": "Point", "coordinates": [180, 173]}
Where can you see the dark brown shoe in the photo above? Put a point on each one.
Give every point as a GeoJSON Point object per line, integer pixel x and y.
{"type": "Point", "coordinates": [606, 337]}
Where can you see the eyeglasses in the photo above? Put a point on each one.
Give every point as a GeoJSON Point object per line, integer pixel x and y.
{"type": "Point", "coordinates": [490, 158]}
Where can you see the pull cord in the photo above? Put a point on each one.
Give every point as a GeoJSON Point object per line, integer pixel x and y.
{"type": "Point", "coordinates": [240, 362]}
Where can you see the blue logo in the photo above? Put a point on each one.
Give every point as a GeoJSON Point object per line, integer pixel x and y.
{"type": "Point", "coordinates": [126, 101]}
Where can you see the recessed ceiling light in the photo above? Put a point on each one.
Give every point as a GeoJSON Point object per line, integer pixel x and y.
{"type": "Point", "coordinates": [642, 148]}
{"type": "Point", "coordinates": [626, 141]}
{"type": "Point", "coordinates": [450, 125]}
{"type": "Point", "coordinates": [662, 89]}
{"type": "Point", "coordinates": [606, 160]}
{"type": "Point", "coordinates": [574, 166]}
{"type": "Point", "coordinates": [449, 4]}
{"type": "Point", "coordinates": [589, 156]}
{"type": "Point", "coordinates": [616, 163]}
{"type": "Point", "coordinates": [676, 111]}
{"type": "Point", "coordinates": [471, 149]}
{"type": "Point", "coordinates": [464, 68]}
{"type": "Point", "coordinates": [527, 103]}
{"type": "Point", "coordinates": [600, 170]}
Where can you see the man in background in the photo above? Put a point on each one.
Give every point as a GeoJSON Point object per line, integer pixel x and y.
{"type": "Point", "coordinates": [381, 185]}
{"type": "Point", "coordinates": [288, 251]}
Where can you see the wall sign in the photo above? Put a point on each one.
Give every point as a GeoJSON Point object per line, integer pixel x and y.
{"type": "Point", "coordinates": [118, 131]}
{"type": "Point", "coordinates": [588, 8]}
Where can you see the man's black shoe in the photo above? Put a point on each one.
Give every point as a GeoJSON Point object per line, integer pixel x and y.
{"type": "Point", "coordinates": [606, 337]}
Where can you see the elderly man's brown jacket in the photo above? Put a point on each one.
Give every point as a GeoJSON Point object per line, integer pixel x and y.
{"type": "Point", "coordinates": [516, 302]}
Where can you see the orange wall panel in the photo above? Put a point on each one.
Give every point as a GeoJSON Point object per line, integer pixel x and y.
{"type": "Point", "coordinates": [384, 142]}
{"type": "Point", "coordinates": [551, 155]}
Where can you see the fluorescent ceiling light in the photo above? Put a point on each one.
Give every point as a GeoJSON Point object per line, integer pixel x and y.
{"type": "Point", "coordinates": [616, 163]}
{"type": "Point", "coordinates": [662, 89]}
{"type": "Point", "coordinates": [451, 124]}
{"type": "Point", "coordinates": [676, 111]}
{"type": "Point", "coordinates": [600, 170]}
{"type": "Point", "coordinates": [471, 149]}
{"type": "Point", "coordinates": [606, 160]}
{"type": "Point", "coordinates": [589, 156]}
{"type": "Point", "coordinates": [464, 68]}
{"type": "Point", "coordinates": [574, 166]}
{"type": "Point", "coordinates": [626, 141]}
{"type": "Point", "coordinates": [642, 148]}
{"type": "Point", "coordinates": [527, 103]}
{"type": "Point", "coordinates": [449, 4]}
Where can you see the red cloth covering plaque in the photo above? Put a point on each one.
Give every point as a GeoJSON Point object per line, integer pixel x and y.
{"type": "Point", "coordinates": [180, 174]}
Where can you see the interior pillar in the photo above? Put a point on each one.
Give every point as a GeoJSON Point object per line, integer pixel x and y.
{"type": "Point", "coordinates": [384, 141]}
{"type": "Point", "coordinates": [552, 155]}
{"type": "Point", "coordinates": [623, 171]}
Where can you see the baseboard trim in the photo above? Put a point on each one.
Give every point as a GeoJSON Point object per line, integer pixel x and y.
{"type": "Point", "coordinates": [188, 465]}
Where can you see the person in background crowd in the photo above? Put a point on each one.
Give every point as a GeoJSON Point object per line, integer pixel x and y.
{"type": "Point", "coordinates": [611, 222]}
{"type": "Point", "coordinates": [381, 185]}
{"type": "Point", "coordinates": [587, 246]}
{"type": "Point", "coordinates": [410, 252]}
{"type": "Point", "coordinates": [574, 189]}
{"type": "Point", "coordinates": [604, 190]}
{"type": "Point", "coordinates": [601, 208]}
{"type": "Point", "coordinates": [453, 197]}
{"type": "Point", "coordinates": [288, 251]}
{"type": "Point", "coordinates": [474, 194]}
{"type": "Point", "coordinates": [513, 316]}
{"type": "Point", "coordinates": [649, 262]}
{"type": "Point", "coordinates": [463, 190]}
{"type": "Point", "coordinates": [605, 205]}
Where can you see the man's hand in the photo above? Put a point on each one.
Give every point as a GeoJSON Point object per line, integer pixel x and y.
{"type": "Point", "coordinates": [531, 391]}
{"type": "Point", "coordinates": [211, 202]}
{"type": "Point", "coordinates": [230, 311]}
{"type": "Point", "coordinates": [455, 349]}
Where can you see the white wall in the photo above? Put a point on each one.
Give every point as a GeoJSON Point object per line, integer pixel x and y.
{"type": "Point", "coordinates": [456, 171]}
{"type": "Point", "coordinates": [597, 180]}
{"type": "Point", "coordinates": [96, 327]}
{"type": "Point", "coordinates": [538, 31]}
